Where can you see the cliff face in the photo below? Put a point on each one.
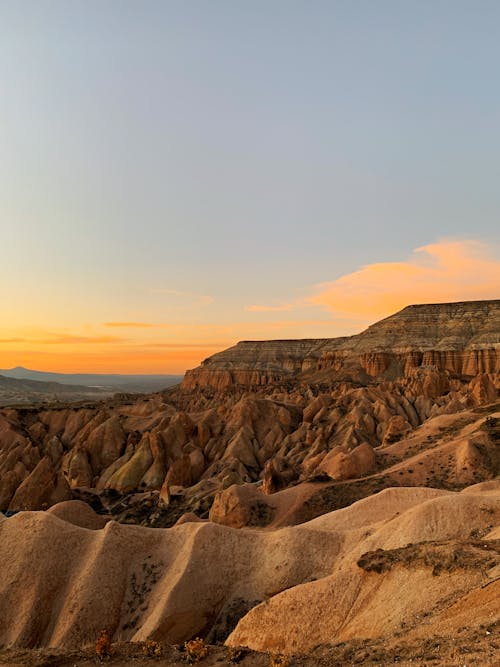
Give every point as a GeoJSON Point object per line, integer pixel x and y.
{"type": "Point", "coordinates": [291, 414]}
{"type": "Point", "coordinates": [292, 439]}
{"type": "Point", "coordinates": [461, 338]}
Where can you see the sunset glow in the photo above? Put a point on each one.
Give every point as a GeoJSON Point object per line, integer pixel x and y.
{"type": "Point", "coordinates": [175, 177]}
{"type": "Point", "coordinates": [447, 270]}
{"type": "Point", "coordinates": [435, 273]}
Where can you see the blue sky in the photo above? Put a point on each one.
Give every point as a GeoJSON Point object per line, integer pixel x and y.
{"type": "Point", "coordinates": [155, 153]}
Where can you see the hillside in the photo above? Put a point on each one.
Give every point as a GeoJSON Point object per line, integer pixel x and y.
{"type": "Point", "coordinates": [14, 391]}
{"type": "Point", "coordinates": [296, 475]}
{"type": "Point", "coordinates": [333, 581]}
{"type": "Point", "coordinates": [110, 383]}
{"type": "Point", "coordinates": [461, 338]}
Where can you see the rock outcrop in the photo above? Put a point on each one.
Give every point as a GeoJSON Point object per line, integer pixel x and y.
{"type": "Point", "coordinates": [340, 576]}
{"type": "Point", "coordinates": [460, 338]}
{"type": "Point", "coordinates": [277, 413]}
{"type": "Point", "coordinates": [308, 482]}
{"type": "Point", "coordinates": [336, 432]}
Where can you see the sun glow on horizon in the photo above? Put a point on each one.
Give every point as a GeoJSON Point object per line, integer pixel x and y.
{"type": "Point", "coordinates": [448, 270]}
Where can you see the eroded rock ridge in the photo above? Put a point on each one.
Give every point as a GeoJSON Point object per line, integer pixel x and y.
{"type": "Point", "coordinates": [461, 338]}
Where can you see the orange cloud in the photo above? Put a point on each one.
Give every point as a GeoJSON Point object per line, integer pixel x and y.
{"type": "Point", "coordinates": [72, 339]}
{"type": "Point", "coordinates": [64, 339]}
{"type": "Point", "coordinates": [186, 346]}
{"type": "Point", "coordinates": [444, 271]}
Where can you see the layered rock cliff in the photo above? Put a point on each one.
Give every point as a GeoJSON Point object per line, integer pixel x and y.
{"type": "Point", "coordinates": [289, 412]}
{"type": "Point", "coordinates": [269, 435]}
{"type": "Point", "coordinates": [460, 338]}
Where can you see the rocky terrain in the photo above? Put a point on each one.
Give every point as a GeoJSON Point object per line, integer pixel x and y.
{"type": "Point", "coordinates": [297, 476]}
{"type": "Point", "coordinates": [460, 338]}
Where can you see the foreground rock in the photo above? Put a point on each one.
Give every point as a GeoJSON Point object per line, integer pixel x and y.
{"type": "Point", "coordinates": [479, 645]}
{"type": "Point", "coordinates": [208, 580]}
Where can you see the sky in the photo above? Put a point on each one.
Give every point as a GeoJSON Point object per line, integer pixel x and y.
{"type": "Point", "coordinates": [177, 176]}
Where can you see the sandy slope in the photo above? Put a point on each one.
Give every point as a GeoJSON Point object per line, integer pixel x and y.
{"type": "Point", "coordinates": [60, 584]}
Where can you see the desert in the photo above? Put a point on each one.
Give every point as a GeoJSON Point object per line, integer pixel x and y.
{"type": "Point", "coordinates": [249, 333]}
{"type": "Point", "coordinates": [330, 501]}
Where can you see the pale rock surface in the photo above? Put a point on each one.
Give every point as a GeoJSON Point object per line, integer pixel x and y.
{"type": "Point", "coordinates": [341, 465]}
{"type": "Point", "coordinates": [307, 577]}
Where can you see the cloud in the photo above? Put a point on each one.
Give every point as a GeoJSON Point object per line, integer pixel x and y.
{"type": "Point", "coordinates": [71, 339]}
{"type": "Point", "coordinates": [448, 270]}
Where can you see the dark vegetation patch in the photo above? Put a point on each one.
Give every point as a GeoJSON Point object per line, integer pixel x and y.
{"type": "Point", "coordinates": [342, 494]}
{"type": "Point", "coordinates": [442, 557]}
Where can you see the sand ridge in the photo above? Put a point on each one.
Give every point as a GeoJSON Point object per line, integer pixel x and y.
{"type": "Point", "coordinates": [61, 583]}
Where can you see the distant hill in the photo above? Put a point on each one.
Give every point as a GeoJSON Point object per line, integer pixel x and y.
{"type": "Point", "coordinates": [16, 391]}
{"type": "Point", "coordinates": [109, 383]}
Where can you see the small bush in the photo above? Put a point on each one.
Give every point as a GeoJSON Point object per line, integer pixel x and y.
{"type": "Point", "coordinates": [236, 654]}
{"type": "Point", "coordinates": [195, 650]}
{"type": "Point", "coordinates": [103, 645]}
{"type": "Point", "coordinates": [152, 649]}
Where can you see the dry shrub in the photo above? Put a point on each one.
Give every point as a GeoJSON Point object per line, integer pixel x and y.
{"type": "Point", "coordinates": [195, 650]}
{"type": "Point", "coordinates": [279, 660]}
{"type": "Point", "coordinates": [103, 645]}
{"type": "Point", "coordinates": [236, 654]}
{"type": "Point", "coordinates": [152, 649]}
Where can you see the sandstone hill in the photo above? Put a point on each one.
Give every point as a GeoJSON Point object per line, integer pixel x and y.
{"type": "Point", "coordinates": [351, 468]}
{"type": "Point", "coordinates": [332, 580]}
{"type": "Point", "coordinates": [461, 338]}
{"type": "Point", "coordinates": [187, 445]}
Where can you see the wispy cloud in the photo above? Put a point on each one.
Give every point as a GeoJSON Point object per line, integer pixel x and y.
{"type": "Point", "coordinates": [448, 270]}
{"type": "Point", "coordinates": [64, 339]}
{"type": "Point", "coordinates": [180, 346]}
{"type": "Point", "coordinates": [74, 339]}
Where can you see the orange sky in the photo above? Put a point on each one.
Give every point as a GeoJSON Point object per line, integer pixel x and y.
{"type": "Point", "coordinates": [448, 270]}
{"type": "Point", "coordinates": [165, 193]}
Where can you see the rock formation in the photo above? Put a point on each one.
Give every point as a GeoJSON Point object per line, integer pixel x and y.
{"type": "Point", "coordinates": [460, 338]}
{"type": "Point", "coordinates": [352, 468]}
{"type": "Point", "coordinates": [326, 581]}
{"type": "Point", "coordinates": [284, 414]}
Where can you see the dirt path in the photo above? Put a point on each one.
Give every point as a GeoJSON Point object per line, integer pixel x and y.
{"type": "Point", "coordinates": [479, 647]}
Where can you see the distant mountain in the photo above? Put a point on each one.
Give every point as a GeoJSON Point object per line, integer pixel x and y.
{"type": "Point", "coordinates": [16, 391]}
{"type": "Point", "coordinates": [110, 383]}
